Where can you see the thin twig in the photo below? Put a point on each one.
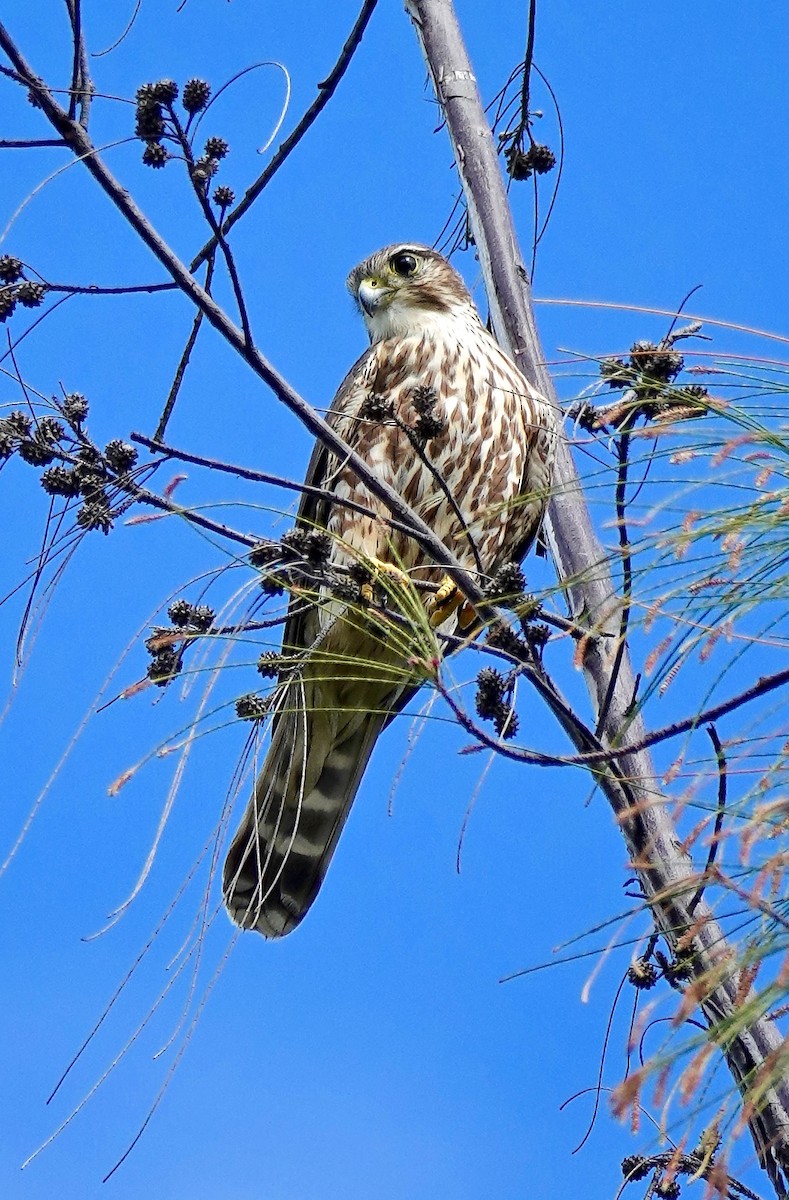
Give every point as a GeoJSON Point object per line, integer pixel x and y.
{"type": "Point", "coordinates": [597, 1089]}
{"type": "Point", "coordinates": [185, 357]}
{"type": "Point", "coordinates": [30, 143]}
{"type": "Point", "coordinates": [715, 839]}
{"type": "Point", "coordinates": [144, 496]}
{"type": "Point", "coordinates": [42, 316]}
{"type": "Point", "coordinates": [623, 448]}
{"type": "Point", "coordinates": [201, 192]}
{"type": "Point", "coordinates": [764, 685]}
{"type": "Point", "coordinates": [118, 40]}
{"type": "Point", "coordinates": [442, 483]}
{"type": "Point", "coordinates": [326, 90]}
{"type": "Point", "coordinates": [81, 84]}
{"type": "Point", "coordinates": [255, 476]}
{"type": "Point", "coordinates": [525, 120]}
{"type": "Point", "coordinates": [560, 158]}
{"type": "Point", "coordinates": [610, 754]}
{"type": "Point", "coordinates": [48, 539]}
{"type": "Point", "coordinates": [94, 289]}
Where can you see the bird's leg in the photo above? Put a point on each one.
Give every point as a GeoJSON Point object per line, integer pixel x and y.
{"type": "Point", "coordinates": [449, 599]}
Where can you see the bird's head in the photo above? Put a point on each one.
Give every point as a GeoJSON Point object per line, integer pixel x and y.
{"type": "Point", "coordinates": [406, 288]}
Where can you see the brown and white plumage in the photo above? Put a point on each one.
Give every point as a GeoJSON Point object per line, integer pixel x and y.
{"type": "Point", "coordinates": [344, 680]}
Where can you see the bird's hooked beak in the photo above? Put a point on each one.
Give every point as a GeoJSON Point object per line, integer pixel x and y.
{"type": "Point", "coordinates": [372, 294]}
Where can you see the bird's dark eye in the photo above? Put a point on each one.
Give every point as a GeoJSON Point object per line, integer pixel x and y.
{"type": "Point", "coordinates": [403, 264]}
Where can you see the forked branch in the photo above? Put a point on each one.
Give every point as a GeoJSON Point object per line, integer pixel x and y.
{"type": "Point", "coordinates": [582, 566]}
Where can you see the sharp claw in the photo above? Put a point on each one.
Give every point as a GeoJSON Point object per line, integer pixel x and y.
{"type": "Point", "coordinates": [395, 576]}
{"type": "Point", "coordinates": [444, 602]}
{"type": "Point", "coordinates": [447, 600]}
{"type": "Point", "coordinates": [394, 573]}
{"type": "Point", "coordinates": [468, 617]}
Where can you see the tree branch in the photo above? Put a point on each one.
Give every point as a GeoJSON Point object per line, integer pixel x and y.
{"type": "Point", "coordinates": [30, 143]}
{"type": "Point", "coordinates": [255, 476]}
{"type": "Point", "coordinates": [583, 568]}
{"type": "Point", "coordinates": [186, 355]}
{"type": "Point", "coordinates": [326, 90]}
{"type": "Point", "coordinates": [94, 289]}
{"type": "Point", "coordinates": [82, 146]}
{"type": "Point", "coordinates": [141, 495]}
{"type": "Point", "coordinates": [81, 84]}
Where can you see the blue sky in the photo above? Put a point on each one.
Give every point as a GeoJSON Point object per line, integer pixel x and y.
{"type": "Point", "coordinates": [374, 1052]}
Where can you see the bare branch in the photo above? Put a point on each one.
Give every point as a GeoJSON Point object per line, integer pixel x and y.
{"type": "Point", "coordinates": [95, 289]}
{"type": "Point", "coordinates": [715, 838]}
{"type": "Point", "coordinates": [215, 225]}
{"type": "Point", "coordinates": [183, 363]}
{"type": "Point", "coordinates": [255, 476]}
{"type": "Point", "coordinates": [582, 565]}
{"type": "Point", "coordinates": [623, 448]}
{"type": "Point", "coordinates": [326, 90]}
{"type": "Point", "coordinates": [764, 685]}
{"type": "Point", "coordinates": [144, 496]}
{"type": "Point", "coordinates": [81, 144]}
{"type": "Point", "coordinates": [29, 143]}
{"type": "Point", "coordinates": [81, 84]}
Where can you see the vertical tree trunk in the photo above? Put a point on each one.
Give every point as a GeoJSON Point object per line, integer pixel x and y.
{"type": "Point", "coordinates": [666, 872]}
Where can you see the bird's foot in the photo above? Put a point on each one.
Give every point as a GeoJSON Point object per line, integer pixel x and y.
{"type": "Point", "coordinates": [390, 573]}
{"type": "Point", "coordinates": [447, 600]}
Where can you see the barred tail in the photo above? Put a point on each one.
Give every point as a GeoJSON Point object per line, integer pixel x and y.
{"type": "Point", "coordinates": [280, 854]}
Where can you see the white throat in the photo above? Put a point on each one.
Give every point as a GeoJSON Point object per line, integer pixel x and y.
{"type": "Point", "coordinates": [397, 320]}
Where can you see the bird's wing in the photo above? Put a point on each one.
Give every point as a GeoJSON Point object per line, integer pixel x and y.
{"type": "Point", "coordinates": [301, 627]}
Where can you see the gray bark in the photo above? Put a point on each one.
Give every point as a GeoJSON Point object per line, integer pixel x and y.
{"type": "Point", "coordinates": [667, 875]}
{"type": "Point", "coordinates": [643, 814]}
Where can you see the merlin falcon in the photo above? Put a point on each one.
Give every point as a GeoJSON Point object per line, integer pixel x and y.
{"type": "Point", "coordinates": [478, 474]}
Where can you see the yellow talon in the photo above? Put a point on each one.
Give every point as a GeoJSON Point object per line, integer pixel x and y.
{"type": "Point", "coordinates": [468, 618]}
{"type": "Point", "coordinates": [394, 573]}
{"type": "Point", "coordinates": [444, 602]}
{"type": "Point", "coordinates": [447, 600]}
{"type": "Point", "coordinates": [395, 576]}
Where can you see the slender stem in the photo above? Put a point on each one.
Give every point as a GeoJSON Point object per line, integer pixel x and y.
{"type": "Point", "coordinates": [255, 476]}
{"type": "Point", "coordinates": [81, 84]}
{"type": "Point", "coordinates": [29, 143]}
{"type": "Point", "coordinates": [83, 148]}
{"type": "Point", "coordinates": [609, 753]}
{"type": "Point", "coordinates": [623, 452]}
{"type": "Point", "coordinates": [326, 90]}
{"type": "Point", "coordinates": [94, 289]}
{"type": "Point", "coordinates": [720, 757]}
{"type": "Point", "coordinates": [525, 120]}
{"type": "Point", "coordinates": [185, 357]}
{"type": "Point", "coordinates": [763, 686]}
{"type": "Point", "coordinates": [201, 191]}
{"type": "Point", "coordinates": [442, 483]}
{"type": "Point", "coordinates": [142, 495]}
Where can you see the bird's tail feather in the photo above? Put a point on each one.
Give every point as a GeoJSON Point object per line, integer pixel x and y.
{"type": "Point", "coordinates": [280, 854]}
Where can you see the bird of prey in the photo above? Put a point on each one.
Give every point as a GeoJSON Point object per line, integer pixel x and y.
{"type": "Point", "coordinates": [440, 413]}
